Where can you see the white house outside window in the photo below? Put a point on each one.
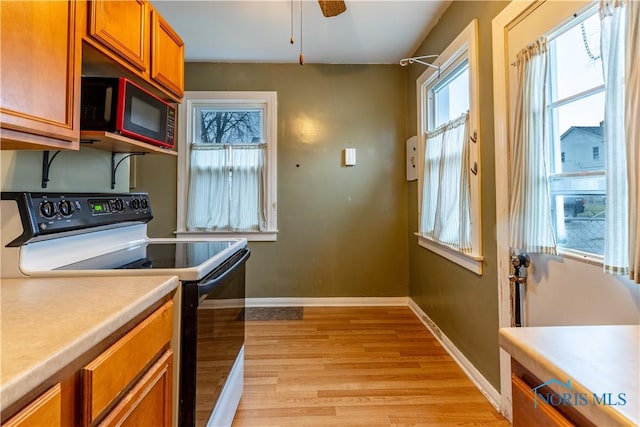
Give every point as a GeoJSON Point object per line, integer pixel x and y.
{"type": "Point", "coordinates": [449, 173]}
{"type": "Point", "coordinates": [227, 166]}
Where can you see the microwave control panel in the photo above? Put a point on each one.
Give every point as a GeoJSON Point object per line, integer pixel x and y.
{"type": "Point", "coordinates": [47, 215]}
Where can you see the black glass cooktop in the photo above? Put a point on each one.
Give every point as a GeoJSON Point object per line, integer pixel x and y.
{"type": "Point", "coordinates": [170, 255]}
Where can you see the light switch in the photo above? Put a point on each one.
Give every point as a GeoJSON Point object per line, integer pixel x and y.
{"type": "Point", "coordinates": [349, 156]}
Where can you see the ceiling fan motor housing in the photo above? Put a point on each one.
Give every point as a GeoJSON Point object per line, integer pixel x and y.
{"type": "Point", "coordinates": [332, 7]}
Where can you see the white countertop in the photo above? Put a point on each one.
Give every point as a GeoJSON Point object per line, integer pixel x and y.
{"type": "Point", "coordinates": [597, 360]}
{"type": "Point", "coordinates": [45, 324]}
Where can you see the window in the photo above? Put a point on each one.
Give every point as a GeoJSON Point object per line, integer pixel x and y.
{"type": "Point", "coordinates": [576, 116]}
{"type": "Point", "coordinates": [449, 177]}
{"type": "Point", "coordinates": [227, 164]}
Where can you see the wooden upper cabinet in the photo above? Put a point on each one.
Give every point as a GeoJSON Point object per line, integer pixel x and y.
{"type": "Point", "coordinates": [123, 27]}
{"type": "Point", "coordinates": [133, 35]}
{"type": "Point", "coordinates": [167, 55]}
{"type": "Point", "coordinates": [40, 75]}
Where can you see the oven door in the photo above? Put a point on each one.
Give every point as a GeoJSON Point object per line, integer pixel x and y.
{"type": "Point", "coordinates": [212, 338]}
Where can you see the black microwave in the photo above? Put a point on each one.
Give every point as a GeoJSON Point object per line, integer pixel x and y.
{"type": "Point", "coordinates": [116, 104]}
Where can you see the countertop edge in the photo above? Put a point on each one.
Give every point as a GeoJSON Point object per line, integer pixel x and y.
{"type": "Point", "coordinates": [542, 368]}
{"type": "Point", "coordinates": [14, 389]}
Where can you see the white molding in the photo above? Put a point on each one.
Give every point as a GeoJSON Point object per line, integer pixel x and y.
{"type": "Point", "coordinates": [501, 129]}
{"type": "Point", "coordinates": [327, 302]}
{"type": "Point", "coordinates": [258, 236]}
{"type": "Point", "coordinates": [485, 387]}
{"type": "Point", "coordinates": [266, 99]}
{"type": "Point", "coordinates": [469, 261]}
{"type": "Point", "coordinates": [465, 45]}
{"type": "Point", "coordinates": [501, 63]}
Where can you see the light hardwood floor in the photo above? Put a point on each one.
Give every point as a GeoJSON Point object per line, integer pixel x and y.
{"type": "Point", "coordinates": [353, 366]}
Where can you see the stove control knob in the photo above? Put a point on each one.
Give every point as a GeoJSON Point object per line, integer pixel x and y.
{"type": "Point", "coordinates": [144, 203]}
{"type": "Point", "coordinates": [65, 207]}
{"type": "Point", "coordinates": [135, 204]}
{"type": "Point", "coordinates": [48, 209]}
{"type": "Point", "coordinates": [119, 205]}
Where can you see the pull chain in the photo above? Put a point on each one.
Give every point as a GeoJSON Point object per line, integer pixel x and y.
{"type": "Point", "coordinates": [586, 44]}
{"type": "Point", "coordinates": [301, 59]}
{"type": "Point", "coordinates": [291, 40]}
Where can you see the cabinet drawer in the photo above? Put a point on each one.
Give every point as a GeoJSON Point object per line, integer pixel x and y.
{"type": "Point", "coordinates": [525, 414]}
{"type": "Point", "coordinates": [112, 372]}
{"type": "Point", "coordinates": [46, 410]}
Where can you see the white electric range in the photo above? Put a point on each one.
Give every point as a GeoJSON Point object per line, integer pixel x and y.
{"type": "Point", "coordinates": [83, 234]}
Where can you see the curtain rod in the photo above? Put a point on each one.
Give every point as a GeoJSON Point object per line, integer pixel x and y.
{"type": "Point", "coordinates": [406, 61]}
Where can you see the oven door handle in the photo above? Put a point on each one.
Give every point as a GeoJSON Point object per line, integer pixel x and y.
{"type": "Point", "coordinates": [207, 285]}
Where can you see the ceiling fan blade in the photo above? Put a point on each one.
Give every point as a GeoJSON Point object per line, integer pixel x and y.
{"type": "Point", "coordinates": [332, 7]}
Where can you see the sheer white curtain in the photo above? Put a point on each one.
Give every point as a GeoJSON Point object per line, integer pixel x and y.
{"type": "Point", "coordinates": [226, 188]}
{"type": "Point", "coordinates": [445, 193]}
{"type": "Point", "coordinates": [616, 241]}
{"type": "Point", "coordinates": [207, 202]}
{"type": "Point", "coordinates": [530, 224]}
{"type": "Point", "coordinates": [247, 189]}
{"type": "Point", "coordinates": [632, 110]}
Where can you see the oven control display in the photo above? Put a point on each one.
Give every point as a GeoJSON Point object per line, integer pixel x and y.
{"type": "Point", "coordinates": [99, 206]}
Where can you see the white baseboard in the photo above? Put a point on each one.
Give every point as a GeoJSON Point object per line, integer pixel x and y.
{"type": "Point", "coordinates": [327, 302]}
{"type": "Point", "coordinates": [485, 387]}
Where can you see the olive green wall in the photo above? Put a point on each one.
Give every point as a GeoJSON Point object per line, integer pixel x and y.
{"type": "Point", "coordinates": [462, 304]}
{"type": "Point", "coordinates": [86, 170]}
{"type": "Point", "coordinates": [341, 229]}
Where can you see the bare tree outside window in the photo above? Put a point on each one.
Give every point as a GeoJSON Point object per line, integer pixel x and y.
{"type": "Point", "coordinates": [230, 127]}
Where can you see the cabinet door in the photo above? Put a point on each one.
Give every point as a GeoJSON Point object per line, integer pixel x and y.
{"type": "Point", "coordinates": [46, 410]}
{"type": "Point", "coordinates": [149, 402]}
{"type": "Point", "coordinates": [107, 376]}
{"type": "Point", "coordinates": [167, 55]}
{"type": "Point", "coordinates": [527, 414]}
{"type": "Point", "coordinates": [123, 27]}
{"type": "Point", "coordinates": [41, 60]}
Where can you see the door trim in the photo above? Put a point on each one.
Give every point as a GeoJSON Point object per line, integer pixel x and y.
{"type": "Point", "coordinates": [500, 27]}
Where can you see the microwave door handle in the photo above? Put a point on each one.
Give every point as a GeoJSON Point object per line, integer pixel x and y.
{"type": "Point", "coordinates": [208, 285]}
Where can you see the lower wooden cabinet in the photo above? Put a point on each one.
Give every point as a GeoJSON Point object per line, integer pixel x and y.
{"type": "Point", "coordinates": [46, 410]}
{"type": "Point", "coordinates": [532, 411]}
{"type": "Point", "coordinates": [527, 414]}
{"type": "Point", "coordinates": [128, 384]}
{"type": "Point", "coordinates": [108, 375]}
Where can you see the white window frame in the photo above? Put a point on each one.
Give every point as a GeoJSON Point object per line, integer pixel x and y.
{"type": "Point", "coordinates": [568, 24]}
{"type": "Point", "coordinates": [193, 99]}
{"type": "Point", "coordinates": [464, 47]}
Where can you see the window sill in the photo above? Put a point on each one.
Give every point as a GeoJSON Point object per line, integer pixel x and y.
{"type": "Point", "coordinates": [258, 236]}
{"type": "Point", "coordinates": [576, 255]}
{"type": "Point", "coordinates": [469, 261]}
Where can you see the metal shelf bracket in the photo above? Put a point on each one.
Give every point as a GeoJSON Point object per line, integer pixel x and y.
{"type": "Point", "coordinates": [46, 166]}
{"type": "Point", "coordinates": [114, 165]}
